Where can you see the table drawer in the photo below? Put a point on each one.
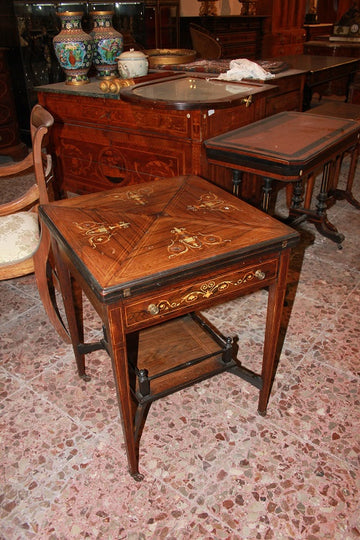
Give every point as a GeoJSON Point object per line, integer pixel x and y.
{"type": "Point", "coordinates": [172, 301]}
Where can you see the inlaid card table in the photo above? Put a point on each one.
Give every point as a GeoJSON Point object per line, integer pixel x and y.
{"type": "Point", "coordinates": [151, 256]}
{"type": "Point", "coordinates": [289, 147]}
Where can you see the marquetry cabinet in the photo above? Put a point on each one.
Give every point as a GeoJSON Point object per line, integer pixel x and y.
{"type": "Point", "coordinates": [101, 141]}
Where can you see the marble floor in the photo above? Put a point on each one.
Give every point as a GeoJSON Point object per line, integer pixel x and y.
{"type": "Point", "coordinates": [214, 468]}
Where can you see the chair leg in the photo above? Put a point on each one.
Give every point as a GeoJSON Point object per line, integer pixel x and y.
{"type": "Point", "coordinates": [45, 280]}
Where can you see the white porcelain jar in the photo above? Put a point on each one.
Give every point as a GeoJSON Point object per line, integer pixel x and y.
{"type": "Point", "coordinates": [132, 64]}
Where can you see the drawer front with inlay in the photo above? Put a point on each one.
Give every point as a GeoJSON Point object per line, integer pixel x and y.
{"type": "Point", "coordinates": [172, 302]}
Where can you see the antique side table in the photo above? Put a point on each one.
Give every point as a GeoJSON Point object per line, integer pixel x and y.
{"type": "Point", "coordinates": [289, 147]}
{"type": "Point", "coordinates": [151, 256]}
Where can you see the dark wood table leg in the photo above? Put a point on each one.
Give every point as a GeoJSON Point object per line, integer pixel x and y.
{"type": "Point", "coordinates": [276, 299]}
{"type": "Point", "coordinates": [266, 194]}
{"type": "Point", "coordinates": [307, 97]}
{"type": "Point", "coordinates": [318, 217]}
{"type": "Point", "coordinates": [236, 182]}
{"type": "Point", "coordinates": [346, 193]}
{"type": "Point", "coordinates": [117, 345]}
{"type": "Point", "coordinates": [72, 299]}
{"type": "Point", "coordinates": [323, 225]}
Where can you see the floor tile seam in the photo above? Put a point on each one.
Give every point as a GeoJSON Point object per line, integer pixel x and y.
{"type": "Point", "coordinates": [21, 314]}
{"type": "Point", "coordinates": [24, 383]}
{"type": "Point", "coordinates": [44, 399]}
{"type": "Point", "coordinates": [304, 290]}
{"type": "Point", "coordinates": [346, 464]}
{"type": "Point", "coordinates": [313, 349]}
{"type": "Point", "coordinates": [307, 294]}
{"type": "Point", "coordinates": [345, 373]}
{"type": "Point", "coordinates": [23, 291]}
{"type": "Point", "coordinates": [17, 379]}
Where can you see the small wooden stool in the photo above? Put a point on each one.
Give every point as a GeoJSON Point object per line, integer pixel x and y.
{"type": "Point", "coordinates": [348, 111]}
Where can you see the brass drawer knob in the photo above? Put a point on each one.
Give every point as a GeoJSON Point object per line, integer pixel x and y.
{"type": "Point", "coordinates": [260, 274]}
{"type": "Point", "coordinates": [153, 309]}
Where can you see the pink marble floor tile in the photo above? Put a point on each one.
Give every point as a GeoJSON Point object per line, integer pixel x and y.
{"type": "Point", "coordinates": [36, 441]}
{"type": "Point", "coordinates": [258, 479]}
{"type": "Point", "coordinates": [306, 318]}
{"type": "Point", "coordinates": [339, 346]}
{"type": "Point", "coordinates": [8, 384]}
{"type": "Point", "coordinates": [246, 313]}
{"type": "Point", "coordinates": [12, 303]}
{"type": "Point", "coordinates": [92, 404]}
{"type": "Point", "coordinates": [30, 345]}
{"type": "Point", "coordinates": [325, 282]}
{"type": "Point", "coordinates": [321, 405]}
{"type": "Point", "coordinates": [100, 500]}
{"type": "Point", "coordinates": [25, 284]}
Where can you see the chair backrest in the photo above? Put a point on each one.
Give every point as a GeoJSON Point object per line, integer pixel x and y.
{"type": "Point", "coordinates": [205, 43]}
{"type": "Point", "coordinates": [40, 122]}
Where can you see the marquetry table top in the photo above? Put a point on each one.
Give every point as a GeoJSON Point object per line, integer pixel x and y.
{"type": "Point", "coordinates": [143, 236]}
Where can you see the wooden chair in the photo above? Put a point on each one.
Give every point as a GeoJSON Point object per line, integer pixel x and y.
{"type": "Point", "coordinates": [24, 245]}
{"type": "Point", "coordinates": [205, 43]}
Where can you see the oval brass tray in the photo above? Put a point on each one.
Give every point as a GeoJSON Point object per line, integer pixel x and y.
{"type": "Point", "coordinates": [159, 57]}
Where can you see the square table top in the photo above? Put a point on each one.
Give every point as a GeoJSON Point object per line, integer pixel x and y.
{"type": "Point", "coordinates": [287, 144]}
{"type": "Point", "coordinates": [143, 236]}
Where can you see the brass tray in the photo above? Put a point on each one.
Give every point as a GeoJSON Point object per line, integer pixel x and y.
{"type": "Point", "coordinates": [166, 57]}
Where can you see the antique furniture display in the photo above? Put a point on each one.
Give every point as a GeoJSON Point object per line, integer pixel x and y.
{"type": "Point", "coordinates": [290, 147]}
{"type": "Point", "coordinates": [336, 49]}
{"type": "Point", "coordinates": [148, 258]}
{"type": "Point", "coordinates": [323, 72]}
{"type": "Point", "coordinates": [101, 140]}
{"type": "Point", "coordinates": [23, 247]}
{"type": "Point", "coordinates": [233, 36]}
{"type": "Point", "coordinates": [161, 20]}
{"type": "Point", "coordinates": [283, 32]}
{"type": "Point", "coordinates": [10, 143]}
{"type": "Point", "coordinates": [318, 31]}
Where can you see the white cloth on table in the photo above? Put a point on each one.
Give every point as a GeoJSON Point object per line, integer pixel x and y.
{"type": "Point", "coordinates": [242, 68]}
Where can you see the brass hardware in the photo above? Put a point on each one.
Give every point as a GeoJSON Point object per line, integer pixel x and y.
{"type": "Point", "coordinates": [115, 85]}
{"type": "Point", "coordinates": [247, 101]}
{"type": "Point", "coordinates": [260, 274]}
{"type": "Point", "coordinates": [104, 86]}
{"type": "Point", "coordinates": [153, 309]}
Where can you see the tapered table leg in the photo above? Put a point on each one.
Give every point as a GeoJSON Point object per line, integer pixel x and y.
{"type": "Point", "coordinates": [276, 299]}
{"type": "Point", "coordinates": [118, 353]}
{"type": "Point", "coordinates": [72, 299]}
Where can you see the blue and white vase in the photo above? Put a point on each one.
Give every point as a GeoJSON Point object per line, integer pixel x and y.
{"type": "Point", "coordinates": [107, 45]}
{"type": "Point", "coordinates": [73, 48]}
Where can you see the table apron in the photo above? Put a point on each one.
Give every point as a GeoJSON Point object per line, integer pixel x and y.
{"type": "Point", "coordinates": [206, 290]}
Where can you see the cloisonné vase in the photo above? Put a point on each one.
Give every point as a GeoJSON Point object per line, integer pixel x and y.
{"type": "Point", "coordinates": [73, 48]}
{"type": "Point", "coordinates": [107, 45]}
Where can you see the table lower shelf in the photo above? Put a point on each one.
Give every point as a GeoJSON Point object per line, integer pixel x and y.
{"type": "Point", "coordinates": [179, 353]}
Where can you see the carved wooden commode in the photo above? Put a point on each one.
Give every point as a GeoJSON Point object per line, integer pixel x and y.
{"type": "Point", "coordinates": [148, 257]}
